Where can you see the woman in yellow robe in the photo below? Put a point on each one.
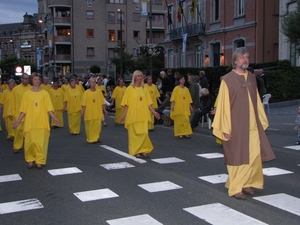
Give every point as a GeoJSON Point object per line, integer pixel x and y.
{"type": "Point", "coordinates": [181, 110]}
{"type": "Point", "coordinates": [100, 86]}
{"type": "Point", "coordinates": [4, 102]}
{"type": "Point", "coordinates": [154, 93]}
{"type": "Point", "coordinates": [93, 106]}
{"type": "Point", "coordinates": [57, 98]}
{"type": "Point", "coordinates": [136, 103]}
{"type": "Point", "coordinates": [117, 97]}
{"type": "Point", "coordinates": [72, 103]}
{"type": "Point", "coordinates": [36, 105]}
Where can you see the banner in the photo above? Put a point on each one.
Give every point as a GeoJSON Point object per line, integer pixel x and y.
{"type": "Point", "coordinates": [193, 8]}
{"type": "Point", "coordinates": [143, 6]}
{"type": "Point", "coordinates": [184, 38]}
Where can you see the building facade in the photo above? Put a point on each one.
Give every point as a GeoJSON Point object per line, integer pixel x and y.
{"type": "Point", "coordinates": [218, 28]}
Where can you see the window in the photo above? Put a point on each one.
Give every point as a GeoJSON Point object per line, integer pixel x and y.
{"type": "Point", "coordinates": [111, 35]}
{"type": "Point", "coordinates": [239, 7]}
{"type": "Point", "coordinates": [111, 17]}
{"type": "Point", "coordinates": [136, 17]}
{"type": "Point", "coordinates": [170, 58]}
{"type": "Point", "coordinates": [182, 59]}
{"type": "Point", "coordinates": [90, 14]}
{"type": "Point", "coordinates": [136, 34]}
{"type": "Point", "coordinates": [198, 57]}
{"type": "Point", "coordinates": [216, 10]}
{"type": "Point", "coordinates": [120, 17]}
{"type": "Point", "coordinates": [90, 32]}
{"type": "Point", "coordinates": [111, 53]}
{"type": "Point", "coordinates": [158, 2]}
{"type": "Point", "coordinates": [90, 51]}
{"type": "Point", "coordinates": [239, 43]}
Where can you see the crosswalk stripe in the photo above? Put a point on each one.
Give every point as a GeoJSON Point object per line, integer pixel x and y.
{"type": "Point", "coordinates": [273, 171]}
{"type": "Point", "coordinates": [159, 186]}
{"type": "Point", "coordinates": [215, 179]}
{"type": "Point", "coordinates": [18, 206]}
{"type": "Point", "coordinates": [211, 155]}
{"type": "Point", "coordinates": [93, 195]}
{"type": "Point", "coordinates": [11, 177]}
{"type": "Point", "coordinates": [293, 147]}
{"type": "Point", "coordinates": [282, 201]}
{"type": "Point", "coordinates": [168, 160]}
{"type": "Point", "coordinates": [123, 154]}
{"type": "Point", "coordinates": [218, 214]}
{"type": "Point", "coordinates": [140, 219]}
{"type": "Point", "coordinates": [115, 166]}
{"type": "Point", "coordinates": [64, 171]}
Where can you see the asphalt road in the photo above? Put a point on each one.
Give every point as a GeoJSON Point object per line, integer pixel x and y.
{"type": "Point", "coordinates": [82, 184]}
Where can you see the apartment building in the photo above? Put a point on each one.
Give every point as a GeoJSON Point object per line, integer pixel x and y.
{"type": "Point", "coordinates": [85, 33]}
{"type": "Point", "coordinates": [216, 28]}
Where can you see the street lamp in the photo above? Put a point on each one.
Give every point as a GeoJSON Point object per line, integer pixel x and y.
{"type": "Point", "coordinates": [121, 43]}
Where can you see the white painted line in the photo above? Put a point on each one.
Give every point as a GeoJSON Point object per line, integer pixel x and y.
{"type": "Point", "coordinates": [93, 195]}
{"type": "Point", "coordinates": [8, 178]}
{"type": "Point", "coordinates": [273, 171]}
{"type": "Point", "coordinates": [292, 124]}
{"type": "Point", "coordinates": [282, 201]}
{"type": "Point", "coordinates": [293, 147]}
{"type": "Point", "coordinates": [18, 206]}
{"type": "Point", "coordinates": [115, 166]}
{"type": "Point", "coordinates": [272, 129]}
{"type": "Point", "coordinates": [298, 165]}
{"type": "Point", "coordinates": [123, 154]}
{"type": "Point", "coordinates": [144, 219]}
{"type": "Point", "coordinates": [218, 214]}
{"type": "Point", "coordinates": [211, 155]}
{"type": "Point", "coordinates": [168, 160]}
{"type": "Point", "coordinates": [159, 186]}
{"type": "Point", "coordinates": [64, 171]}
{"type": "Point", "coordinates": [215, 179]}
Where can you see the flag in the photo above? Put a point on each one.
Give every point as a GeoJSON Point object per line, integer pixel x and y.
{"type": "Point", "coordinates": [193, 7]}
{"type": "Point", "coordinates": [179, 12]}
{"type": "Point", "coordinates": [169, 15]}
{"type": "Point", "coordinates": [184, 37]}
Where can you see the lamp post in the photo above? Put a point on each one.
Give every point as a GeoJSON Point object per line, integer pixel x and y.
{"type": "Point", "coordinates": [150, 33]}
{"type": "Point", "coordinates": [121, 43]}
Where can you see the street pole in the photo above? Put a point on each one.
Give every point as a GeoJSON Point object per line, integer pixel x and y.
{"type": "Point", "coordinates": [150, 18]}
{"type": "Point", "coordinates": [54, 48]}
{"type": "Point", "coordinates": [121, 44]}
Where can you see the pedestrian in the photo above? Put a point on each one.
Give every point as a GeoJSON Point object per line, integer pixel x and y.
{"type": "Point", "coordinates": [137, 102]}
{"type": "Point", "coordinates": [4, 103]}
{"type": "Point", "coordinates": [57, 99]}
{"type": "Point", "coordinates": [203, 79]}
{"type": "Point", "coordinates": [35, 107]}
{"type": "Point", "coordinates": [72, 100]}
{"type": "Point", "coordinates": [45, 85]}
{"type": "Point", "coordinates": [194, 92]}
{"type": "Point", "coordinates": [240, 122]}
{"type": "Point", "coordinates": [181, 109]}
{"type": "Point", "coordinates": [117, 97]}
{"type": "Point", "coordinates": [297, 126]}
{"type": "Point", "coordinates": [93, 108]}
{"type": "Point", "coordinates": [14, 110]}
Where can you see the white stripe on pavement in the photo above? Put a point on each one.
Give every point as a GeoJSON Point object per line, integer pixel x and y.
{"type": "Point", "coordinates": [18, 206]}
{"type": "Point", "coordinates": [11, 177]}
{"type": "Point", "coordinates": [64, 171]}
{"type": "Point", "coordinates": [144, 219]}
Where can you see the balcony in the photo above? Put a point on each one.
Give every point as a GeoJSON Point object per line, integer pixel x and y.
{"type": "Point", "coordinates": [191, 30]}
{"type": "Point", "coordinates": [62, 20]}
{"type": "Point", "coordinates": [61, 57]}
{"type": "Point", "coordinates": [64, 39]}
{"type": "Point", "coordinates": [156, 25]}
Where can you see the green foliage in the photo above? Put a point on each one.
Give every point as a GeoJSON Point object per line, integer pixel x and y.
{"type": "Point", "coordinates": [95, 69]}
{"type": "Point", "coordinates": [10, 62]}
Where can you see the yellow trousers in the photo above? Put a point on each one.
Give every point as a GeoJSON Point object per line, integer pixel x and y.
{"type": "Point", "coordinates": [182, 125]}
{"type": "Point", "coordinates": [74, 121]}
{"type": "Point", "coordinates": [36, 146]}
{"type": "Point", "coordinates": [92, 130]}
{"type": "Point", "coordinates": [19, 137]}
{"type": "Point", "coordinates": [118, 115]}
{"type": "Point", "coordinates": [138, 138]}
{"type": "Point", "coordinates": [151, 123]}
{"type": "Point", "coordinates": [59, 115]}
{"type": "Point", "coordinates": [9, 129]}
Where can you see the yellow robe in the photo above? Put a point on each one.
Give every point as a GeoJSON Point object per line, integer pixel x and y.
{"type": "Point", "coordinates": [57, 99]}
{"type": "Point", "coordinates": [118, 94]}
{"type": "Point", "coordinates": [137, 118]}
{"type": "Point", "coordinates": [93, 101]}
{"type": "Point", "coordinates": [181, 113]}
{"type": "Point", "coordinates": [36, 106]}
{"type": "Point", "coordinates": [246, 175]}
{"type": "Point", "coordinates": [14, 110]}
{"type": "Point", "coordinates": [101, 88]}
{"type": "Point", "coordinates": [0, 111]}
{"type": "Point", "coordinates": [4, 101]}
{"type": "Point", "coordinates": [46, 87]}
{"type": "Point", "coordinates": [154, 93]}
{"type": "Point", "coordinates": [64, 87]}
{"type": "Point", "coordinates": [73, 98]}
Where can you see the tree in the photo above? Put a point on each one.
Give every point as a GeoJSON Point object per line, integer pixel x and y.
{"type": "Point", "coordinates": [95, 69]}
{"type": "Point", "coordinates": [290, 27]}
{"type": "Point", "coordinates": [128, 63]}
{"type": "Point", "coordinates": [10, 62]}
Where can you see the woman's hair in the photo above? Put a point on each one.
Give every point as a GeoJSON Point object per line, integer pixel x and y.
{"type": "Point", "coordinates": [169, 93]}
{"type": "Point", "coordinates": [92, 79]}
{"type": "Point", "coordinates": [35, 74]}
{"type": "Point", "coordinates": [136, 73]}
{"type": "Point", "coordinates": [118, 81]}
{"type": "Point", "coordinates": [11, 81]}
{"type": "Point", "coordinates": [204, 91]}
{"type": "Point", "coordinates": [164, 74]}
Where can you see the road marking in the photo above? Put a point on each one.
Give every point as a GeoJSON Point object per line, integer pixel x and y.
{"type": "Point", "coordinates": [293, 147]}
{"type": "Point", "coordinates": [8, 178]}
{"type": "Point", "coordinates": [282, 201]}
{"type": "Point", "coordinates": [64, 171]}
{"type": "Point", "coordinates": [123, 154]}
{"type": "Point", "coordinates": [115, 166]}
{"type": "Point", "coordinates": [211, 155]}
{"type": "Point", "coordinates": [140, 219]}
{"type": "Point", "coordinates": [168, 160]}
{"type": "Point", "coordinates": [159, 186]}
{"type": "Point", "coordinates": [289, 123]}
{"type": "Point", "coordinates": [273, 171]}
{"type": "Point", "coordinates": [18, 206]}
{"type": "Point", "coordinates": [93, 195]}
{"type": "Point", "coordinates": [272, 129]}
{"type": "Point", "coordinates": [215, 179]}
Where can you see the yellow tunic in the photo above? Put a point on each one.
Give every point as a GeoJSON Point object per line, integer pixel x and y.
{"type": "Point", "coordinates": [118, 94]}
{"type": "Point", "coordinates": [36, 106]}
{"type": "Point", "coordinates": [246, 175]}
{"type": "Point", "coordinates": [14, 110]}
{"type": "Point", "coordinates": [4, 101]}
{"type": "Point", "coordinates": [45, 87]}
{"type": "Point", "coordinates": [64, 87]}
{"type": "Point", "coordinates": [154, 93]}
{"type": "Point", "coordinates": [73, 98]}
{"type": "Point", "coordinates": [181, 112]}
{"type": "Point", "coordinates": [137, 118]}
{"type": "Point", "coordinates": [93, 101]}
{"type": "Point", "coordinates": [101, 88]}
{"type": "Point", "coordinates": [0, 111]}
{"type": "Point", "coordinates": [57, 99]}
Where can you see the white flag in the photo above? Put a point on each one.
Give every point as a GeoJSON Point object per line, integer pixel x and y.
{"type": "Point", "coordinates": [184, 37]}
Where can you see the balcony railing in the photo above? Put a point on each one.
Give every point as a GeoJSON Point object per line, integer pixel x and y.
{"type": "Point", "coordinates": [62, 39]}
{"type": "Point", "coordinates": [156, 24]}
{"type": "Point", "coordinates": [194, 29]}
{"type": "Point", "coordinates": [61, 57]}
{"type": "Point", "coordinates": [62, 20]}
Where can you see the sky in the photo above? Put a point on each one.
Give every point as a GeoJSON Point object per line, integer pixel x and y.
{"type": "Point", "coordinates": [12, 11]}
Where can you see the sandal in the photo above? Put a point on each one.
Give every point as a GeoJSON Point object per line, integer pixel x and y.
{"type": "Point", "coordinates": [145, 155]}
{"type": "Point", "coordinates": [187, 136]}
{"type": "Point", "coordinates": [249, 191]}
{"type": "Point", "coordinates": [240, 196]}
{"type": "Point", "coordinates": [39, 166]}
{"type": "Point", "coordinates": [180, 137]}
{"type": "Point", "coordinates": [30, 165]}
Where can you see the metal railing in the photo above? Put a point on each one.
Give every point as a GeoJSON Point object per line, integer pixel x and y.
{"type": "Point", "coordinates": [194, 29]}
